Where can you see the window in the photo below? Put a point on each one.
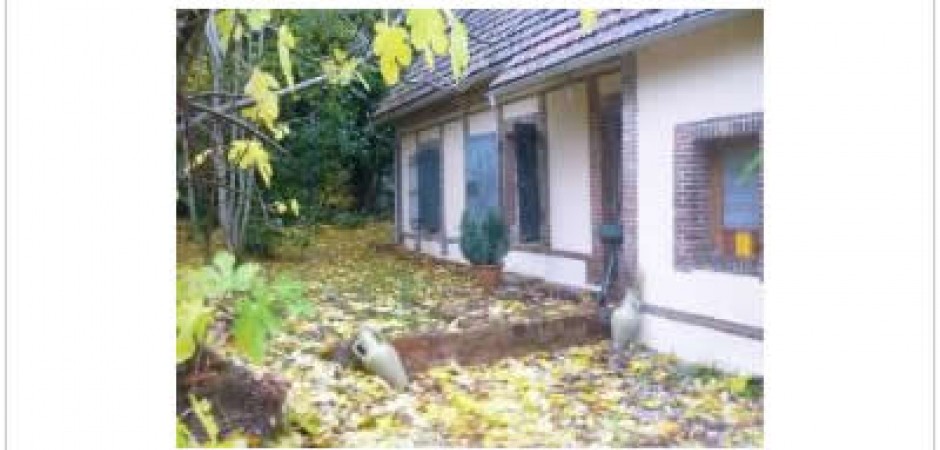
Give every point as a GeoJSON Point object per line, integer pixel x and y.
{"type": "Point", "coordinates": [718, 205]}
{"type": "Point", "coordinates": [426, 200]}
{"type": "Point", "coordinates": [481, 163]}
{"type": "Point", "coordinates": [736, 227]}
{"type": "Point", "coordinates": [528, 182]}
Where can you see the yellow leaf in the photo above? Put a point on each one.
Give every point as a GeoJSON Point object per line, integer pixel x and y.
{"type": "Point", "coordinates": [588, 19]}
{"type": "Point", "coordinates": [428, 33]}
{"type": "Point", "coordinates": [340, 69]}
{"type": "Point", "coordinates": [261, 87]}
{"type": "Point", "coordinates": [669, 428]}
{"type": "Point", "coordinates": [459, 52]}
{"type": "Point", "coordinates": [294, 207]}
{"type": "Point", "coordinates": [225, 24]}
{"type": "Point", "coordinates": [285, 43]}
{"type": "Point", "coordinates": [250, 154]}
{"type": "Point", "coordinates": [392, 49]}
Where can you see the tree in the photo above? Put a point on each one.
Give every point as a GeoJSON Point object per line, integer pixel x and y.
{"type": "Point", "coordinates": [230, 126]}
{"type": "Point", "coordinates": [228, 100]}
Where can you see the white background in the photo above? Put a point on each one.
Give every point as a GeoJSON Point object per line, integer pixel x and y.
{"type": "Point", "coordinates": [90, 221]}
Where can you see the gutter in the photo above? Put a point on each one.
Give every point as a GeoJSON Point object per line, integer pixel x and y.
{"type": "Point", "coordinates": [682, 27]}
{"type": "Point", "coordinates": [436, 95]}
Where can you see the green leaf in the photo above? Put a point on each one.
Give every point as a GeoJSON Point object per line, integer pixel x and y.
{"type": "Point", "coordinates": [244, 276]}
{"type": "Point", "coordinates": [752, 166]}
{"type": "Point", "coordinates": [203, 410]}
{"type": "Point", "coordinates": [224, 262]}
{"type": "Point", "coordinates": [225, 22]}
{"type": "Point", "coordinates": [428, 33]}
{"type": "Point", "coordinates": [285, 43]}
{"type": "Point", "coordinates": [184, 438]}
{"type": "Point", "coordinates": [253, 325]}
{"type": "Point", "coordinates": [390, 45]}
{"type": "Point", "coordinates": [588, 19]}
{"type": "Point", "coordinates": [459, 53]}
{"type": "Point", "coordinates": [192, 319]}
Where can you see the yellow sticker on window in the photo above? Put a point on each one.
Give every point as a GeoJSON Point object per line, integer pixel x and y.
{"type": "Point", "coordinates": [743, 244]}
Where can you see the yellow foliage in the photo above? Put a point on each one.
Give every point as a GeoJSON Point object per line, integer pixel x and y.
{"type": "Point", "coordinates": [285, 43]}
{"type": "Point", "coordinates": [248, 154]}
{"type": "Point", "coordinates": [340, 68]}
{"type": "Point", "coordinates": [428, 33]}
{"type": "Point", "coordinates": [588, 19]}
{"type": "Point", "coordinates": [392, 48]}
{"type": "Point", "coordinates": [261, 87]}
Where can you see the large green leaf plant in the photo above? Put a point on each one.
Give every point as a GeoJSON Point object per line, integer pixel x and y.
{"type": "Point", "coordinates": [256, 306]}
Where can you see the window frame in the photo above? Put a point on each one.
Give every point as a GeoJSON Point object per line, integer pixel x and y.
{"type": "Point", "coordinates": [694, 208]}
{"type": "Point", "coordinates": [722, 235]}
{"type": "Point", "coordinates": [536, 120]}
{"type": "Point", "coordinates": [419, 223]}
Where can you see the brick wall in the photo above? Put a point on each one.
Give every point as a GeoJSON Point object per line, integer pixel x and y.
{"type": "Point", "coordinates": [595, 264]}
{"type": "Point", "coordinates": [627, 263]}
{"type": "Point", "coordinates": [693, 241]}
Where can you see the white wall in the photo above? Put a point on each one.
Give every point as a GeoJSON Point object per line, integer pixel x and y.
{"type": "Point", "coordinates": [556, 269]}
{"type": "Point", "coordinates": [482, 122]}
{"type": "Point", "coordinates": [453, 162]}
{"type": "Point", "coordinates": [568, 163]}
{"type": "Point", "coordinates": [521, 107]}
{"type": "Point", "coordinates": [429, 134]}
{"type": "Point", "coordinates": [703, 345]}
{"type": "Point", "coordinates": [713, 72]}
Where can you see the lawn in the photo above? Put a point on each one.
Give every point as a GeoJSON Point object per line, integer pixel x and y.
{"type": "Point", "coordinates": [570, 397]}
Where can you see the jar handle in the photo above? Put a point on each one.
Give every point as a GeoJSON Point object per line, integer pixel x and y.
{"type": "Point", "coordinates": [358, 350]}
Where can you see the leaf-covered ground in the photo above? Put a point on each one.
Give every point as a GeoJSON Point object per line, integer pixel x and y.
{"type": "Point", "coordinates": [565, 398]}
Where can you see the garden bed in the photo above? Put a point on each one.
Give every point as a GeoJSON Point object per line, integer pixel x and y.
{"type": "Point", "coordinates": [527, 366]}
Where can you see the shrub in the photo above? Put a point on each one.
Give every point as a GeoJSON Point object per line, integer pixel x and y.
{"type": "Point", "coordinates": [260, 238]}
{"type": "Point", "coordinates": [346, 219]}
{"type": "Point", "coordinates": [483, 237]}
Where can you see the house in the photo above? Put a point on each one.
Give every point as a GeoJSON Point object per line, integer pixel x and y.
{"type": "Point", "coordinates": [642, 124]}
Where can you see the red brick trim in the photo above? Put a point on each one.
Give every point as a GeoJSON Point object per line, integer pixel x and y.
{"type": "Point", "coordinates": [596, 263]}
{"type": "Point", "coordinates": [693, 241]}
{"type": "Point", "coordinates": [629, 160]}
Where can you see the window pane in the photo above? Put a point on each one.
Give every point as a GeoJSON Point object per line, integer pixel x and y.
{"type": "Point", "coordinates": [740, 203]}
{"type": "Point", "coordinates": [481, 163]}
{"type": "Point", "coordinates": [429, 187]}
{"type": "Point", "coordinates": [527, 180]}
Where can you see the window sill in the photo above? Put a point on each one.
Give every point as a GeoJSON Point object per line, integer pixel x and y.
{"type": "Point", "coordinates": [754, 268]}
{"type": "Point", "coordinates": [534, 247]}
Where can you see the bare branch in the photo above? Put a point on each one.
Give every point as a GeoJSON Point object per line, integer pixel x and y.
{"type": "Point", "coordinates": [240, 123]}
{"type": "Point", "coordinates": [246, 102]}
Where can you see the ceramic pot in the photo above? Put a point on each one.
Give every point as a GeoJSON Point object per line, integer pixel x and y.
{"type": "Point", "coordinates": [379, 357]}
{"type": "Point", "coordinates": [490, 277]}
{"type": "Point", "coordinates": [625, 321]}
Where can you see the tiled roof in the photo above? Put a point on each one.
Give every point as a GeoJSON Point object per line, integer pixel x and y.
{"type": "Point", "coordinates": [510, 45]}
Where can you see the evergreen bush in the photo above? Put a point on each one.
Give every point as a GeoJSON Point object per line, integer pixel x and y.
{"type": "Point", "coordinates": [483, 237]}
